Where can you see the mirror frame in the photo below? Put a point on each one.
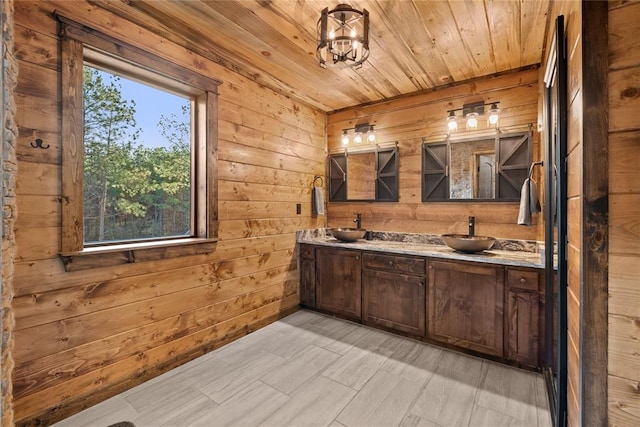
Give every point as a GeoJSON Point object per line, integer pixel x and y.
{"type": "Point", "coordinates": [386, 171]}
{"type": "Point", "coordinates": [437, 179]}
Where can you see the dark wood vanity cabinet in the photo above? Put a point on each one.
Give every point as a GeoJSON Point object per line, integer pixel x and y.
{"type": "Point", "coordinates": [338, 282]}
{"type": "Point", "coordinates": [465, 306]}
{"type": "Point", "coordinates": [492, 309]}
{"type": "Point", "coordinates": [393, 292]}
{"type": "Point", "coordinates": [307, 276]}
{"type": "Point", "coordinates": [524, 316]}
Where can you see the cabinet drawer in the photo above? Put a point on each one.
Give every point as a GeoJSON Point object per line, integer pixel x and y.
{"type": "Point", "coordinates": [522, 279]}
{"type": "Point", "coordinates": [401, 264]}
{"type": "Point", "coordinates": [307, 252]}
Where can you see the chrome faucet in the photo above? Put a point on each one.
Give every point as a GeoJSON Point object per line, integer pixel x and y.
{"type": "Point", "coordinates": [472, 225]}
{"type": "Point", "coordinates": [358, 220]}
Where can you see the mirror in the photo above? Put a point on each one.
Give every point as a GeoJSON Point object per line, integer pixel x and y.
{"type": "Point", "coordinates": [361, 176]}
{"type": "Point", "coordinates": [364, 176]}
{"type": "Point", "coordinates": [487, 168]}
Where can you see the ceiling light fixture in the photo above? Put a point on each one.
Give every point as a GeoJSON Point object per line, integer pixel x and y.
{"type": "Point", "coordinates": [359, 132]}
{"type": "Point", "coordinates": [343, 37]}
{"type": "Point", "coordinates": [471, 112]}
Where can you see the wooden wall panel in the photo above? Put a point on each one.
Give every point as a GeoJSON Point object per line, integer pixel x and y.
{"type": "Point", "coordinates": [83, 336]}
{"type": "Point", "coordinates": [624, 216]}
{"type": "Point", "coordinates": [408, 119]}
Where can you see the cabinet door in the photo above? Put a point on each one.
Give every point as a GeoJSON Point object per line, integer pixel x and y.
{"type": "Point", "coordinates": [524, 322]}
{"type": "Point", "coordinates": [394, 301]}
{"type": "Point", "coordinates": [466, 306]}
{"type": "Point", "coordinates": [308, 282]}
{"type": "Point", "coordinates": [338, 282]}
{"type": "Point", "coordinates": [523, 318]}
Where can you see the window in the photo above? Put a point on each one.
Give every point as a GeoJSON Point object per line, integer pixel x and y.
{"type": "Point", "coordinates": [137, 160]}
{"type": "Point", "coordinates": [139, 154]}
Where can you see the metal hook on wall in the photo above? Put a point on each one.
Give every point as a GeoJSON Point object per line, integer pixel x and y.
{"type": "Point", "coordinates": [38, 144]}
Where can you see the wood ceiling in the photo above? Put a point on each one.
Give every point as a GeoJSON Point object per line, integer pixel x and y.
{"type": "Point", "coordinates": [415, 45]}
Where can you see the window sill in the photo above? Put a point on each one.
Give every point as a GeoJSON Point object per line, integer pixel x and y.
{"type": "Point", "coordinates": [108, 256]}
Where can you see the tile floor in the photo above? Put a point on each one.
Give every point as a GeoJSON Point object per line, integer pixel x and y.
{"type": "Point", "coordinates": [313, 370]}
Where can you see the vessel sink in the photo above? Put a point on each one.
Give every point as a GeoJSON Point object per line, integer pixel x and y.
{"type": "Point", "coordinates": [467, 243]}
{"type": "Point", "coordinates": [347, 234]}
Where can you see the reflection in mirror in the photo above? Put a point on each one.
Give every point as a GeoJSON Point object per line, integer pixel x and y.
{"type": "Point", "coordinates": [464, 167]}
{"type": "Point", "coordinates": [484, 182]}
{"type": "Point", "coordinates": [484, 169]}
{"type": "Point", "coordinates": [361, 173]}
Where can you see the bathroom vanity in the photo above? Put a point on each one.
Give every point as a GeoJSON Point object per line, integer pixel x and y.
{"type": "Point", "coordinates": [490, 303]}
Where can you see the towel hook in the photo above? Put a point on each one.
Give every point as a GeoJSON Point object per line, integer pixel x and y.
{"type": "Point", "coordinates": [316, 178]}
{"type": "Point", "coordinates": [541, 163]}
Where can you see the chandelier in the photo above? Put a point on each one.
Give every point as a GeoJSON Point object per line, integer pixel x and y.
{"type": "Point", "coordinates": [343, 37]}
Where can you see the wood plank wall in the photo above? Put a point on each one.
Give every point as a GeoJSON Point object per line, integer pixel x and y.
{"type": "Point", "coordinates": [408, 119]}
{"type": "Point", "coordinates": [624, 215]}
{"type": "Point", "coordinates": [84, 336]}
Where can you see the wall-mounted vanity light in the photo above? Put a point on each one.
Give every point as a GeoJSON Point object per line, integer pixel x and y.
{"type": "Point", "coordinates": [343, 37]}
{"type": "Point", "coordinates": [361, 133]}
{"type": "Point", "coordinates": [471, 112]}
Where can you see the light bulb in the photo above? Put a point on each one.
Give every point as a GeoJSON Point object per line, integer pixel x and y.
{"type": "Point", "coordinates": [452, 123]}
{"type": "Point", "coordinates": [371, 136]}
{"type": "Point", "coordinates": [345, 138]}
{"type": "Point", "coordinates": [358, 138]}
{"type": "Point", "coordinates": [493, 114]}
{"type": "Point", "coordinates": [472, 121]}
{"type": "Point", "coordinates": [353, 33]}
{"type": "Point", "coordinates": [332, 34]}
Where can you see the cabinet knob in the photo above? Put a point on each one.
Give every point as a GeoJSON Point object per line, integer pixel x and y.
{"type": "Point", "coordinates": [421, 284]}
{"type": "Point", "coordinates": [390, 262]}
{"type": "Point", "coordinates": [523, 280]}
{"type": "Point", "coordinates": [357, 257]}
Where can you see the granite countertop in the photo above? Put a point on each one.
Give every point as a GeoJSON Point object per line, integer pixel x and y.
{"type": "Point", "coordinates": [431, 246]}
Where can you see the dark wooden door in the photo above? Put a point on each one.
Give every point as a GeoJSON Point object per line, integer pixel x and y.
{"type": "Point", "coordinates": [338, 282]}
{"type": "Point", "coordinates": [435, 171]}
{"type": "Point", "coordinates": [466, 306]}
{"type": "Point", "coordinates": [394, 301]}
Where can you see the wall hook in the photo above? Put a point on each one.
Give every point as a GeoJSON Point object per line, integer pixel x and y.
{"type": "Point", "coordinates": [38, 144]}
